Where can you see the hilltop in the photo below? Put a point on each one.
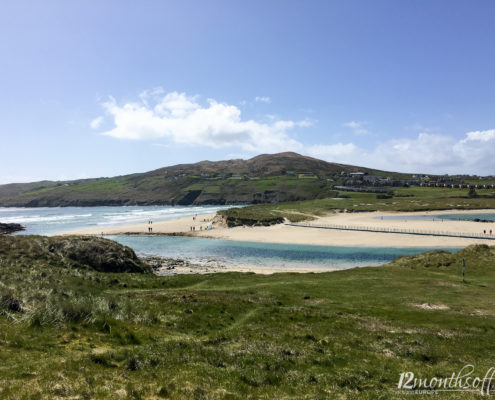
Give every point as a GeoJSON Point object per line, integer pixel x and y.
{"type": "Point", "coordinates": [263, 179]}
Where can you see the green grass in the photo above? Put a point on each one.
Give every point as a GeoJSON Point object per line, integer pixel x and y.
{"type": "Point", "coordinates": [405, 200]}
{"type": "Point", "coordinates": [345, 334]}
{"type": "Point", "coordinates": [302, 176]}
{"type": "Point", "coordinates": [104, 185]}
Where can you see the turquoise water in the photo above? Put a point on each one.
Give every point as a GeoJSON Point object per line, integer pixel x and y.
{"type": "Point", "coordinates": [471, 217]}
{"type": "Point", "coordinates": [51, 221]}
{"type": "Point", "coordinates": [452, 217]}
{"type": "Point", "coordinates": [55, 220]}
{"type": "Point", "coordinates": [225, 252]}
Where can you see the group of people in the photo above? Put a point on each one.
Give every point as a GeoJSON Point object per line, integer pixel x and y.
{"type": "Point", "coordinates": [192, 228]}
{"type": "Point", "coordinates": [484, 231]}
{"type": "Point", "coordinates": [207, 228]}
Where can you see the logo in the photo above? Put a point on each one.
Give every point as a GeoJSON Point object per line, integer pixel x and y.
{"type": "Point", "coordinates": [463, 381]}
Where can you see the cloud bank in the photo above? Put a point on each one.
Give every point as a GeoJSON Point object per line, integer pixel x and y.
{"type": "Point", "coordinates": [426, 153]}
{"type": "Point", "coordinates": [182, 119]}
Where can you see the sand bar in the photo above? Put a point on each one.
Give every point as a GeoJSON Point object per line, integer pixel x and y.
{"type": "Point", "coordinates": [300, 235]}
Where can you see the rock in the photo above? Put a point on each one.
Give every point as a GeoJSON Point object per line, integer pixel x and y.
{"type": "Point", "coordinates": [10, 228]}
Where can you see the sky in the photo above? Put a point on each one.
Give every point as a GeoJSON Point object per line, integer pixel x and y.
{"type": "Point", "coordinates": [103, 88]}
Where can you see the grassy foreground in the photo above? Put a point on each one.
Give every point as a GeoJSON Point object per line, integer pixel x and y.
{"type": "Point", "coordinates": [69, 331]}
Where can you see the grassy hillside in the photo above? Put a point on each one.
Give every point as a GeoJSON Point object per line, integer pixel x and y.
{"type": "Point", "coordinates": [69, 331]}
{"type": "Point", "coordinates": [262, 179]}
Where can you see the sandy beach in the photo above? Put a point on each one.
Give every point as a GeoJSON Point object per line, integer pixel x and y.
{"type": "Point", "coordinates": [303, 235]}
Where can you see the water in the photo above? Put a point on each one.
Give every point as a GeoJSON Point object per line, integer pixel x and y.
{"type": "Point", "coordinates": [234, 253]}
{"type": "Point", "coordinates": [55, 220]}
{"type": "Point", "coordinates": [471, 217]}
{"type": "Point", "coordinates": [437, 217]}
{"type": "Point", "coordinates": [51, 221]}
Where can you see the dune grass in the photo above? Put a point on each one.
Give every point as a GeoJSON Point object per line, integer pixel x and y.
{"type": "Point", "coordinates": [71, 332]}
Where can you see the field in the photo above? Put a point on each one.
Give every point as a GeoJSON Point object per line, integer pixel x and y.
{"type": "Point", "coordinates": [404, 199]}
{"type": "Point", "coordinates": [68, 331]}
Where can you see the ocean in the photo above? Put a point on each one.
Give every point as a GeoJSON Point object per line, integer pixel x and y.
{"type": "Point", "coordinates": [56, 220]}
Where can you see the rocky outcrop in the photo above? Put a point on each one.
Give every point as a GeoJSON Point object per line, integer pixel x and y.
{"type": "Point", "coordinates": [10, 228]}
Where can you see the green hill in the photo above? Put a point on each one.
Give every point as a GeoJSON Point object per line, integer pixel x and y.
{"type": "Point", "coordinates": [262, 179]}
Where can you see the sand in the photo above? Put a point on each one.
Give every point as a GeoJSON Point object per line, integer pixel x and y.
{"type": "Point", "coordinates": [166, 266]}
{"type": "Point", "coordinates": [302, 235]}
{"type": "Point", "coordinates": [179, 226]}
{"type": "Point", "coordinates": [205, 269]}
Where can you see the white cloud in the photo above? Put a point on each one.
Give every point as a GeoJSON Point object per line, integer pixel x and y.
{"type": "Point", "coordinates": [427, 153]}
{"type": "Point", "coordinates": [263, 99]}
{"type": "Point", "coordinates": [96, 123]}
{"type": "Point", "coordinates": [357, 127]}
{"type": "Point", "coordinates": [338, 152]}
{"type": "Point", "coordinates": [182, 119]}
{"type": "Point", "coordinates": [477, 151]}
{"type": "Point", "coordinates": [480, 136]}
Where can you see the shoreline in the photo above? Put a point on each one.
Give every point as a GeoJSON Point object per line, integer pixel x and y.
{"type": "Point", "coordinates": [286, 234]}
{"type": "Point", "coordinates": [165, 266]}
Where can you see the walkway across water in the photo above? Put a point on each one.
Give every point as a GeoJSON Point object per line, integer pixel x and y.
{"type": "Point", "coordinates": [398, 230]}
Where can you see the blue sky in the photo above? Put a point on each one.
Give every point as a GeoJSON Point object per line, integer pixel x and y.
{"type": "Point", "coordinates": [102, 88]}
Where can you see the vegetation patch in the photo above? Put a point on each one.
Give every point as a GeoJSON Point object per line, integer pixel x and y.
{"type": "Point", "coordinates": [72, 331]}
{"type": "Point", "coordinates": [405, 200]}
